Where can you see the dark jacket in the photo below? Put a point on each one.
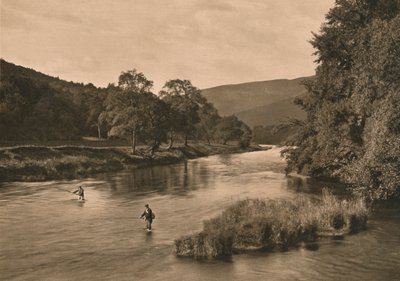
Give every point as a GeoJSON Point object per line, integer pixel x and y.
{"type": "Point", "coordinates": [148, 214]}
{"type": "Point", "coordinates": [80, 191]}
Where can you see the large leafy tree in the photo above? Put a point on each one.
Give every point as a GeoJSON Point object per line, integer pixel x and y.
{"type": "Point", "coordinates": [184, 100]}
{"type": "Point", "coordinates": [95, 107]}
{"type": "Point", "coordinates": [229, 128]}
{"type": "Point", "coordinates": [134, 82]}
{"type": "Point", "coordinates": [155, 113]}
{"type": "Point", "coordinates": [209, 118]}
{"type": "Point", "coordinates": [352, 130]}
{"type": "Point", "coordinates": [126, 106]}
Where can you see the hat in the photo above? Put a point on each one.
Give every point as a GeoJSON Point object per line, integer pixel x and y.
{"type": "Point", "coordinates": [147, 205]}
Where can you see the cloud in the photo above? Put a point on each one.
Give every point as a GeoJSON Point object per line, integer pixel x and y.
{"type": "Point", "coordinates": [216, 5]}
{"type": "Point", "coordinates": [40, 10]}
{"type": "Point", "coordinates": [209, 42]}
{"type": "Point", "coordinates": [11, 19]}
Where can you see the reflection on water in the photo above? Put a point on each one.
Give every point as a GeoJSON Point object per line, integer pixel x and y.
{"type": "Point", "coordinates": [313, 187]}
{"type": "Point", "coordinates": [47, 234]}
{"type": "Point", "coordinates": [176, 179]}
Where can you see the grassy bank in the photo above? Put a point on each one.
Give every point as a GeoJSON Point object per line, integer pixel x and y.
{"type": "Point", "coordinates": [267, 224]}
{"type": "Point", "coordinates": [38, 163]}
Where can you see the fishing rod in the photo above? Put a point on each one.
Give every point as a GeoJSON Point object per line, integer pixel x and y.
{"type": "Point", "coordinates": [81, 195]}
{"type": "Point", "coordinates": [64, 190]}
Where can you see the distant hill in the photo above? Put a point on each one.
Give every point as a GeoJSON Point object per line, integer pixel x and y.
{"type": "Point", "coordinates": [271, 114]}
{"type": "Point", "coordinates": [259, 103]}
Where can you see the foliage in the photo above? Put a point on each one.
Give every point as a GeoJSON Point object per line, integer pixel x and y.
{"type": "Point", "coordinates": [134, 81]}
{"type": "Point", "coordinates": [353, 104]}
{"type": "Point", "coordinates": [209, 118]}
{"type": "Point", "coordinates": [280, 134]}
{"type": "Point", "coordinates": [245, 138]}
{"type": "Point", "coordinates": [132, 110]}
{"type": "Point", "coordinates": [184, 99]}
{"type": "Point", "coordinates": [229, 128]}
{"type": "Point", "coordinates": [156, 113]}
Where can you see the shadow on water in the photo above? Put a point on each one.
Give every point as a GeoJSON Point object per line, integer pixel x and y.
{"type": "Point", "coordinates": [81, 203]}
{"type": "Point", "coordinates": [312, 246]}
{"type": "Point", "coordinates": [177, 179]}
{"type": "Point", "coordinates": [301, 184]}
{"type": "Point", "coordinates": [226, 159]}
{"type": "Point", "coordinates": [206, 261]}
{"type": "Point", "coordinates": [149, 236]}
{"type": "Point", "coordinates": [337, 237]}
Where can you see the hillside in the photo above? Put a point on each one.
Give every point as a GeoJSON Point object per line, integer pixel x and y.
{"type": "Point", "coordinates": [36, 106]}
{"type": "Point", "coordinates": [270, 114]}
{"type": "Point", "coordinates": [10, 71]}
{"type": "Point", "coordinates": [258, 103]}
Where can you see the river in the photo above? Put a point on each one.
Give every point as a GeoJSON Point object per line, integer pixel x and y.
{"type": "Point", "coordinates": [47, 234]}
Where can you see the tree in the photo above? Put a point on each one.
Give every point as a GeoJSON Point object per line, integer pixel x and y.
{"type": "Point", "coordinates": [184, 100]}
{"type": "Point", "coordinates": [126, 106]}
{"type": "Point", "coordinates": [155, 113]}
{"type": "Point", "coordinates": [245, 138]}
{"type": "Point", "coordinates": [134, 82]}
{"type": "Point", "coordinates": [353, 103]}
{"type": "Point", "coordinates": [209, 118]}
{"type": "Point", "coordinates": [95, 107]}
{"type": "Point", "coordinates": [229, 128]}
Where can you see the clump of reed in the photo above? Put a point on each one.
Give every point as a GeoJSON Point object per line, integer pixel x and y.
{"type": "Point", "coordinates": [267, 224]}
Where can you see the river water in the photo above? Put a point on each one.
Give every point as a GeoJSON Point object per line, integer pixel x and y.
{"type": "Point", "coordinates": [47, 234]}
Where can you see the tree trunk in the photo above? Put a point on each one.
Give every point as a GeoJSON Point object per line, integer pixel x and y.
{"type": "Point", "coordinates": [171, 140]}
{"type": "Point", "coordinates": [98, 130]}
{"type": "Point", "coordinates": [133, 142]}
{"type": "Point", "coordinates": [154, 147]}
{"type": "Point", "coordinates": [186, 140]}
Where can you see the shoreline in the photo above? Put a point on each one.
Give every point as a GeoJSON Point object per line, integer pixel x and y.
{"type": "Point", "coordinates": [43, 163]}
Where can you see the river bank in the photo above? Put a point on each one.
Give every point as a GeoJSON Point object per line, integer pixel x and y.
{"type": "Point", "coordinates": [40, 163]}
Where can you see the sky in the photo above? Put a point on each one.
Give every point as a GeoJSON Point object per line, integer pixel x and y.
{"type": "Point", "coordinates": [210, 42]}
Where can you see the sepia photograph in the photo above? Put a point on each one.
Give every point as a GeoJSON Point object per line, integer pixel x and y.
{"type": "Point", "coordinates": [199, 140]}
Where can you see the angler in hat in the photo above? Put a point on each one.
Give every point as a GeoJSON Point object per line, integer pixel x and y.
{"type": "Point", "coordinates": [148, 216]}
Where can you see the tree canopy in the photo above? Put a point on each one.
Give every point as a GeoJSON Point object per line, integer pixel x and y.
{"type": "Point", "coordinates": [353, 105]}
{"type": "Point", "coordinates": [182, 97]}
